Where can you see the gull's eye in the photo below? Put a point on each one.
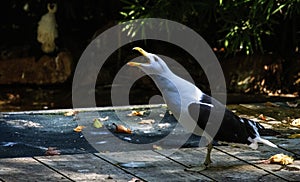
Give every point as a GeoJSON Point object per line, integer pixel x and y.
{"type": "Point", "coordinates": [156, 59]}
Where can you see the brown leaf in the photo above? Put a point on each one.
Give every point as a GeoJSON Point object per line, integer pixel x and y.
{"type": "Point", "coordinates": [52, 151]}
{"type": "Point", "coordinates": [13, 97]}
{"type": "Point", "coordinates": [2, 102]}
{"type": "Point", "coordinates": [281, 159]}
{"type": "Point", "coordinates": [122, 129]}
{"type": "Point", "coordinates": [136, 113]}
{"type": "Point", "coordinates": [78, 128]}
{"type": "Point", "coordinates": [71, 113]}
{"type": "Point", "coordinates": [271, 104]}
{"type": "Point", "coordinates": [147, 121]}
{"type": "Point", "coordinates": [262, 117]}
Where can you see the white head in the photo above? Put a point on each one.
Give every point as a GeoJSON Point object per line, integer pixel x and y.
{"type": "Point", "coordinates": [154, 64]}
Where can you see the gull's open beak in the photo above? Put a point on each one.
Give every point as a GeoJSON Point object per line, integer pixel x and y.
{"type": "Point", "coordinates": [142, 51]}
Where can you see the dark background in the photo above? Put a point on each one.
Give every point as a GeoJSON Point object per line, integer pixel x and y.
{"type": "Point", "coordinates": [256, 42]}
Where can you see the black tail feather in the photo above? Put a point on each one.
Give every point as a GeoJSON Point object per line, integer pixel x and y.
{"type": "Point", "coordinates": [263, 131]}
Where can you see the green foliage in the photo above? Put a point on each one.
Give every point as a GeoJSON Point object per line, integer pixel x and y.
{"type": "Point", "coordinates": [236, 25]}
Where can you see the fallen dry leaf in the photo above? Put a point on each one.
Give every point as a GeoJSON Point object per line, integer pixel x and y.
{"type": "Point", "coordinates": [97, 123]}
{"type": "Point", "coordinates": [296, 122]}
{"type": "Point", "coordinates": [78, 128]}
{"type": "Point", "coordinates": [13, 97]}
{"type": "Point", "coordinates": [262, 117]}
{"type": "Point", "coordinates": [281, 159]}
{"type": "Point", "coordinates": [71, 113]}
{"type": "Point", "coordinates": [271, 104]}
{"type": "Point", "coordinates": [2, 102]}
{"type": "Point", "coordinates": [147, 121]}
{"type": "Point", "coordinates": [122, 129]}
{"type": "Point", "coordinates": [52, 151]}
{"type": "Point", "coordinates": [156, 147]}
{"type": "Point", "coordinates": [293, 136]}
{"type": "Point", "coordinates": [136, 113]}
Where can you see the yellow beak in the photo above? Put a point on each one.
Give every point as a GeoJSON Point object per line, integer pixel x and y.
{"type": "Point", "coordinates": [142, 51]}
{"type": "Point", "coordinates": [133, 63]}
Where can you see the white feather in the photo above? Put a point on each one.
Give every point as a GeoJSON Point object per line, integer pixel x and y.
{"type": "Point", "coordinates": [254, 142]}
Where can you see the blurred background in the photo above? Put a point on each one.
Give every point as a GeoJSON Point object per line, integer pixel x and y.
{"type": "Point", "coordinates": [256, 42]}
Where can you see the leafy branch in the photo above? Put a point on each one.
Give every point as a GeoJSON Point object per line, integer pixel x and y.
{"type": "Point", "coordinates": [236, 25]}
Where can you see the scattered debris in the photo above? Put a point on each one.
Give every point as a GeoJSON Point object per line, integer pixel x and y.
{"type": "Point", "coordinates": [78, 128]}
{"type": "Point", "coordinates": [147, 121]}
{"type": "Point", "coordinates": [97, 123]}
{"type": "Point", "coordinates": [52, 151]}
{"type": "Point", "coordinates": [136, 113]}
{"type": "Point", "coordinates": [122, 129]}
{"type": "Point", "coordinates": [281, 159]}
{"type": "Point", "coordinates": [71, 113]}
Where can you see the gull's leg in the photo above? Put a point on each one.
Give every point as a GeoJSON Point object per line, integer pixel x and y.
{"type": "Point", "coordinates": [207, 159]}
{"type": "Point", "coordinates": [206, 163]}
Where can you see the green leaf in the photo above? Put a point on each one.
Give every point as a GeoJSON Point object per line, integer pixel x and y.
{"type": "Point", "coordinates": [278, 9]}
{"type": "Point", "coordinates": [226, 43]}
{"type": "Point", "coordinates": [124, 14]}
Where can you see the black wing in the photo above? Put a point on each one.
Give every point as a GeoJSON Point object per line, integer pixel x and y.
{"type": "Point", "coordinates": [232, 128]}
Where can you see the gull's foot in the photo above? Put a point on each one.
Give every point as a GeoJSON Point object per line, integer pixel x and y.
{"type": "Point", "coordinates": [197, 168]}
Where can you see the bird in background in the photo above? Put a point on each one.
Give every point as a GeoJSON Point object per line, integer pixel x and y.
{"type": "Point", "coordinates": [192, 108]}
